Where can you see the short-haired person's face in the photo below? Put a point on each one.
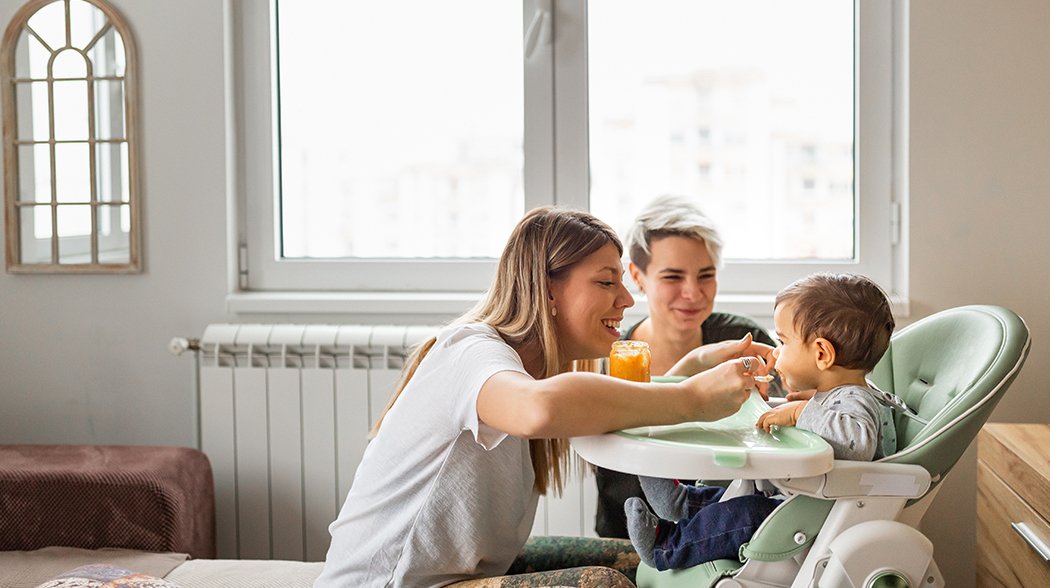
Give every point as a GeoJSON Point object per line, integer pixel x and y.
{"type": "Point", "coordinates": [590, 300]}
{"type": "Point", "coordinates": [680, 283]}
{"type": "Point", "coordinates": [796, 360]}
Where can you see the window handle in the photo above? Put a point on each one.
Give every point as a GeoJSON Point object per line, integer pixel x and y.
{"type": "Point", "coordinates": [539, 28]}
{"type": "Point", "coordinates": [1032, 540]}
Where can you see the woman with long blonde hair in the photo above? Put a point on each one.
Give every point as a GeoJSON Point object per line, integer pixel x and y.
{"type": "Point", "coordinates": [477, 429]}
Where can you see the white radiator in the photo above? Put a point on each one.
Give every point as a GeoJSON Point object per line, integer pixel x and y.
{"type": "Point", "coordinates": [284, 414]}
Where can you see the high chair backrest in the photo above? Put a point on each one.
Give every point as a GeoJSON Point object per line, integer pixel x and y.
{"type": "Point", "coordinates": [952, 368]}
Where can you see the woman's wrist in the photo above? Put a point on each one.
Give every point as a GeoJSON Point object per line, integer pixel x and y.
{"type": "Point", "coordinates": [690, 365]}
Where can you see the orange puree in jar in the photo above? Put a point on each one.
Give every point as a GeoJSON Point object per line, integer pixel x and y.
{"type": "Point", "coordinates": [629, 360]}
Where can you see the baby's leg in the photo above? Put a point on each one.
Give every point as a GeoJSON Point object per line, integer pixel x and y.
{"type": "Point", "coordinates": [643, 527]}
{"type": "Point", "coordinates": [715, 532]}
{"type": "Point", "coordinates": [675, 501]}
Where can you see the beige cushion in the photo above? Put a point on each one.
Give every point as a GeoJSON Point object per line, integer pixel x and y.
{"type": "Point", "coordinates": [245, 573]}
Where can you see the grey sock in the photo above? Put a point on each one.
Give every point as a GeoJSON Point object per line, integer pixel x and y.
{"type": "Point", "coordinates": [641, 528]}
{"type": "Point", "coordinates": [667, 497]}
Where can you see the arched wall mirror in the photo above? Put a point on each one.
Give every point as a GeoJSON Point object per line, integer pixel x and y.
{"type": "Point", "coordinates": [70, 165]}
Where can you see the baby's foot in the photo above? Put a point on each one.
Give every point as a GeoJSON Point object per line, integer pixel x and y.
{"type": "Point", "coordinates": [641, 528]}
{"type": "Point", "coordinates": [668, 497]}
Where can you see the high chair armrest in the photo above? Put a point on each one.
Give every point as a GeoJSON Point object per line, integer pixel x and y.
{"type": "Point", "coordinates": [857, 479]}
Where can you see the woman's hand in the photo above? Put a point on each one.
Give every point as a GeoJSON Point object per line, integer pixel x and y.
{"type": "Point", "coordinates": [721, 390]}
{"type": "Point", "coordinates": [785, 415]}
{"type": "Point", "coordinates": [708, 356]}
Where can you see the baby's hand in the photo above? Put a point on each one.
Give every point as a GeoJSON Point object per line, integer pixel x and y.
{"type": "Point", "coordinates": [785, 415]}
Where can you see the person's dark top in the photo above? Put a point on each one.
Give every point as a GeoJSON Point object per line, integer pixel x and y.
{"type": "Point", "coordinates": [614, 488]}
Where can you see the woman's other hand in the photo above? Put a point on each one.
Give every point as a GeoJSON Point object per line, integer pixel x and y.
{"type": "Point", "coordinates": [708, 356]}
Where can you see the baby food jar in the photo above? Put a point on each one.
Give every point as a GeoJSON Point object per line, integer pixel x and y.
{"type": "Point", "coordinates": [629, 360]}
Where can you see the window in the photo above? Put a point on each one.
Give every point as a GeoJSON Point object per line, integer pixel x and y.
{"type": "Point", "coordinates": [71, 203]}
{"type": "Point", "coordinates": [391, 146]}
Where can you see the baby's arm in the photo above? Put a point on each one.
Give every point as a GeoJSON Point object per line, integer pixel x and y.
{"type": "Point", "coordinates": [785, 415]}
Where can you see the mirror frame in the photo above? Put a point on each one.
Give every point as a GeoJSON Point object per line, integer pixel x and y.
{"type": "Point", "coordinates": [12, 215]}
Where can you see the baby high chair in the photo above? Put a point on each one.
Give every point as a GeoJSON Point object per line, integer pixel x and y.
{"type": "Point", "coordinates": [855, 525]}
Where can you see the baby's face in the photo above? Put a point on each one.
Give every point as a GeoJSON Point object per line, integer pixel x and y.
{"type": "Point", "coordinates": [796, 360]}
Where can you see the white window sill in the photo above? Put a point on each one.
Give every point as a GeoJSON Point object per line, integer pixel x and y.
{"type": "Point", "coordinates": [428, 307]}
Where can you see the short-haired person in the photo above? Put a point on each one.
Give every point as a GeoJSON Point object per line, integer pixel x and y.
{"type": "Point", "coordinates": [447, 489]}
{"type": "Point", "coordinates": [675, 253]}
{"type": "Point", "coordinates": [833, 329]}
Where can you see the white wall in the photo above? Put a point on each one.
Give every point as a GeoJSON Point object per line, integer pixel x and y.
{"type": "Point", "coordinates": [980, 198]}
{"type": "Point", "coordinates": [83, 359]}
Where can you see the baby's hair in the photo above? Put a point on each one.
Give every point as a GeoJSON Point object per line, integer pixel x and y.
{"type": "Point", "coordinates": [850, 311]}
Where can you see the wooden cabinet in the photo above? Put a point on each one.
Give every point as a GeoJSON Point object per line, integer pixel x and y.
{"type": "Point", "coordinates": [1013, 497]}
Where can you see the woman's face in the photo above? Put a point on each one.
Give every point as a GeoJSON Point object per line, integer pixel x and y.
{"type": "Point", "coordinates": [680, 284]}
{"type": "Point", "coordinates": [590, 300]}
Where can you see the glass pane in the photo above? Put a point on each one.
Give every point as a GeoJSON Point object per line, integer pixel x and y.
{"type": "Point", "coordinates": [34, 173]}
{"type": "Point", "coordinates": [109, 109]}
{"type": "Point", "coordinates": [31, 111]}
{"type": "Point", "coordinates": [69, 64]}
{"type": "Point", "coordinates": [84, 22]}
{"type": "Point", "coordinates": [74, 249]}
{"type": "Point", "coordinates": [72, 172]}
{"type": "Point", "coordinates": [74, 220]}
{"type": "Point", "coordinates": [746, 106]}
{"type": "Point", "coordinates": [400, 137]}
{"type": "Point", "coordinates": [35, 229]}
{"type": "Point", "coordinates": [111, 161]}
{"type": "Point", "coordinates": [107, 55]}
{"type": "Point", "coordinates": [113, 243]}
{"type": "Point", "coordinates": [71, 112]}
{"type": "Point", "coordinates": [36, 221]}
{"type": "Point", "coordinates": [49, 22]}
{"type": "Point", "coordinates": [30, 57]}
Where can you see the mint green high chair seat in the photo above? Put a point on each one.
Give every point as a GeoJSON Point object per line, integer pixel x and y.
{"type": "Point", "coordinates": [951, 368]}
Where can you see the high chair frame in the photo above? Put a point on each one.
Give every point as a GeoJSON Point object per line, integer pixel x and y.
{"type": "Point", "coordinates": [857, 524]}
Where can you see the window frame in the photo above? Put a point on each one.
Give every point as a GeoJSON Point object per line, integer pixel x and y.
{"type": "Point", "coordinates": [259, 283]}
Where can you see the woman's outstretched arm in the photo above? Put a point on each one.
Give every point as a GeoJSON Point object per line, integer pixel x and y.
{"type": "Point", "coordinates": [579, 403]}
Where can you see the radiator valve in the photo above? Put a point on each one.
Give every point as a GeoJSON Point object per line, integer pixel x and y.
{"type": "Point", "coordinates": [179, 345]}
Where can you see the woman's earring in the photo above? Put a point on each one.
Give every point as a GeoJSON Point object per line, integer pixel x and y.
{"type": "Point", "coordinates": [554, 311]}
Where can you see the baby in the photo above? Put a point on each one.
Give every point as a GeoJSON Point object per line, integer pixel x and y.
{"type": "Point", "coordinates": [833, 329]}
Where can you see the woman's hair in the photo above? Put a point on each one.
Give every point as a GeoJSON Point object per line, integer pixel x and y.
{"type": "Point", "coordinates": [849, 310]}
{"type": "Point", "coordinates": [544, 246]}
{"type": "Point", "coordinates": [671, 216]}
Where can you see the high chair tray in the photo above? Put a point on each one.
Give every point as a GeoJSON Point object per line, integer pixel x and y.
{"type": "Point", "coordinates": [727, 449]}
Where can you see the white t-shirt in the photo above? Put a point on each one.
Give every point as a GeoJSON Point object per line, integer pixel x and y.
{"type": "Point", "coordinates": [439, 496]}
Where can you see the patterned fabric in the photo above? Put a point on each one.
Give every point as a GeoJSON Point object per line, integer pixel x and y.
{"type": "Point", "coordinates": [557, 561]}
{"type": "Point", "coordinates": [105, 576]}
{"type": "Point", "coordinates": [28, 569]}
{"type": "Point", "coordinates": [572, 578]}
